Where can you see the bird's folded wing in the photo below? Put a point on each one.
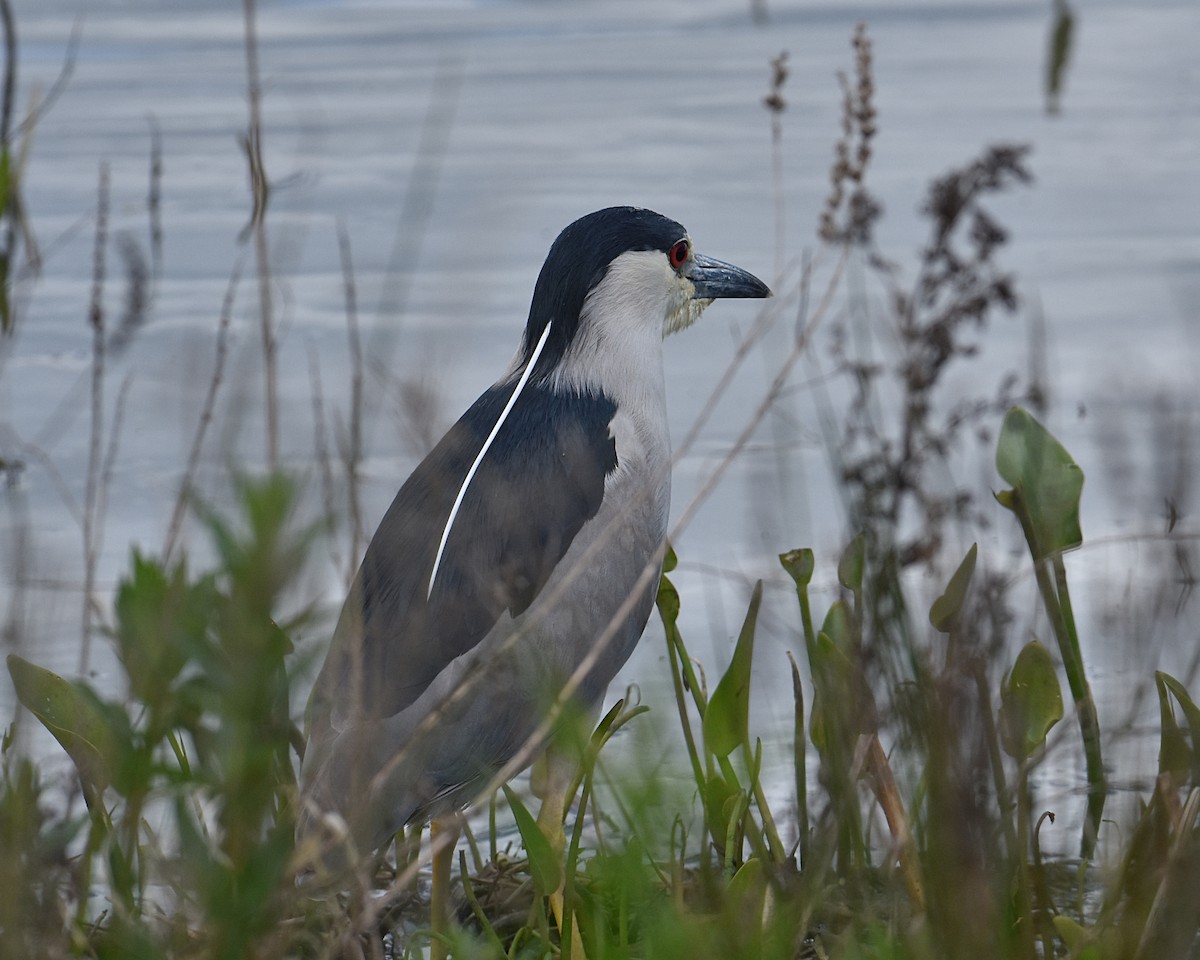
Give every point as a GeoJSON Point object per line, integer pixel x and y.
{"type": "Point", "coordinates": [538, 483]}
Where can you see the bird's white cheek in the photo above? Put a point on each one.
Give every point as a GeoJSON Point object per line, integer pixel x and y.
{"type": "Point", "coordinates": [684, 311]}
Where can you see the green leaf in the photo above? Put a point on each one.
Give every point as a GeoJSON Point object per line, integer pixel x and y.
{"type": "Point", "coordinates": [839, 626]}
{"type": "Point", "coordinates": [726, 719]}
{"type": "Point", "coordinates": [1046, 484]}
{"type": "Point", "coordinates": [799, 565]}
{"type": "Point", "coordinates": [668, 601]}
{"type": "Point", "coordinates": [842, 704]}
{"type": "Point", "coordinates": [945, 608]}
{"type": "Point", "coordinates": [74, 715]}
{"type": "Point", "coordinates": [1030, 701]}
{"type": "Point", "coordinates": [717, 793]}
{"type": "Point", "coordinates": [670, 560]}
{"type": "Point", "coordinates": [1174, 751]}
{"type": "Point", "coordinates": [747, 891]}
{"type": "Point", "coordinates": [852, 564]}
{"type": "Point", "coordinates": [160, 618]}
{"type": "Point", "coordinates": [544, 864]}
{"type": "Point", "coordinates": [1074, 935]}
{"type": "Point", "coordinates": [1191, 713]}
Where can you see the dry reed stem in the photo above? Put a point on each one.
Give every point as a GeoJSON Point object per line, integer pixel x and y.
{"type": "Point", "coordinates": [260, 191]}
{"type": "Point", "coordinates": [206, 415]}
{"type": "Point", "coordinates": [321, 451]}
{"type": "Point", "coordinates": [351, 451]}
{"type": "Point", "coordinates": [154, 199]}
{"type": "Point", "coordinates": [96, 432]}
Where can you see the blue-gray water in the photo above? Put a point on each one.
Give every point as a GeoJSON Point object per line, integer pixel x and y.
{"type": "Point", "coordinates": [453, 140]}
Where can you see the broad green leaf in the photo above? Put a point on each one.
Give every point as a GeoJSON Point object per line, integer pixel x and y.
{"type": "Point", "coordinates": [833, 678]}
{"type": "Point", "coordinates": [670, 560]}
{"type": "Point", "coordinates": [1074, 934]}
{"type": "Point", "coordinates": [1030, 701]}
{"type": "Point", "coordinates": [668, 601]}
{"type": "Point", "coordinates": [839, 625]}
{"type": "Point", "coordinates": [1046, 484]}
{"type": "Point", "coordinates": [747, 891]}
{"type": "Point", "coordinates": [74, 715]}
{"type": "Point", "coordinates": [545, 865]}
{"type": "Point", "coordinates": [726, 719]}
{"type": "Point", "coordinates": [852, 564]}
{"type": "Point", "coordinates": [799, 565]}
{"type": "Point", "coordinates": [945, 608]}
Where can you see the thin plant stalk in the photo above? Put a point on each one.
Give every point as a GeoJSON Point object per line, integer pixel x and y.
{"type": "Point", "coordinates": [206, 415]}
{"type": "Point", "coordinates": [260, 187]}
{"type": "Point", "coordinates": [1057, 600]}
{"type": "Point", "coordinates": [96, 432]}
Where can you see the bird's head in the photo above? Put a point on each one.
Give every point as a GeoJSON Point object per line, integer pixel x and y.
{"type": "Point", "coordinates": [620, 273]}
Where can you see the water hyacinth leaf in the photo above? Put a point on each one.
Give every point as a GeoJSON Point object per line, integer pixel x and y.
{"type": "Point", "coordinates": [799, 565]}
{"type": "Point", "coordinates": [852, 564]}
{"type": "Point", "coordinates": [945, 608]}
{"type": "Point", "coordinates": [74, 716]}
{"type": "Point", "coordinates": [1030, 701]}
{"type": "Point", "coordinates": [727, 717]}
{"type": "Point", "coordinates": [1046, 484]}
{"type": "Point", "coordinates": [544, 864]}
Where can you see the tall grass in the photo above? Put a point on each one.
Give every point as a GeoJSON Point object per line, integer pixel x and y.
{"type": "Point", "coordinates": [913, 825]}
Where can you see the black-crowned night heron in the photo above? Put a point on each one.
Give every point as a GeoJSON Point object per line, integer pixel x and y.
{"type": "Point", "coordinates": [522, 554]}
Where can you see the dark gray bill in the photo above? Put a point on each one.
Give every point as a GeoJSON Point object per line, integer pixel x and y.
{"type": "Point", "coordinates": [715, 279]}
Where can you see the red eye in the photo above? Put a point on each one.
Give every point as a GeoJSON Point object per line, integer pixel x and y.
{"type": "Point", "coordinates": [679, 252]}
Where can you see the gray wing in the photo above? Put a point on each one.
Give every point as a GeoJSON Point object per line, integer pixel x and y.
{"type": "Point", "coordinates": [541, 480]}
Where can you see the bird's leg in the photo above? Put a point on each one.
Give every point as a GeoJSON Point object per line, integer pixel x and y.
{"type": "Point", "coordinates": [443, 836]}
{"type": "Point", "coordinates": [552, 775]}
